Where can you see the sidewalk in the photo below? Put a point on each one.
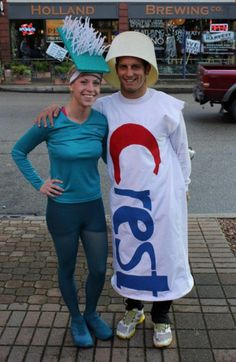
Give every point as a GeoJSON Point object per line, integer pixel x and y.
{"type": "Point", "coordinates": [34, 323]}
{"type": "Point", "coordinates": [165, 85]}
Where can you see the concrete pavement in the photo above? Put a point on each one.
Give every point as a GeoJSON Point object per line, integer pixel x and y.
{"type": "Point", "coordinates": [34, 323]}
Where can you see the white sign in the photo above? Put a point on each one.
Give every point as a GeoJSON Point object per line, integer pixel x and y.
{"type": "Point", "coordinates": [56, 51]}
{"type": "Point", "coordinates": [217, 37]}
{"type": "Point", "coordinates": [170, 47]}
{"type": "Point", "coordinates": [192, 46]}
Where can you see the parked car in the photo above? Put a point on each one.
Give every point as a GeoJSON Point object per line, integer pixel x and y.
{"type": "Point", "coordinates": [216, 83]}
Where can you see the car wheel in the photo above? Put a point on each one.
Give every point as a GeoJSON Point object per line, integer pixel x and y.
{"type": "Point", "coordinates": [226, 106]}
{"type": "Point", "coordinates": [232, 109]}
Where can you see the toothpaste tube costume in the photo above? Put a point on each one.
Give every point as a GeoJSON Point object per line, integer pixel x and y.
{"type": "Point", "coordinates": [149, 168]}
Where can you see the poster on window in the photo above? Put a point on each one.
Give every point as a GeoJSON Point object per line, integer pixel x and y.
{"type": "Point", "coordinates": [192, 46]}
{"type": "Point", "coordinates": [51, 30]}
{"type": "Point", "coordinates": [218, 43]}
{"type": "Point", "coordinates": [170, 47]}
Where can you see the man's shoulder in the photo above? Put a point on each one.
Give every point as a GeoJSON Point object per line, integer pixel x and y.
{"type": "Point", "coordinates": [105, 99]}
{"type": "Point", "coordinates": [160, 94]}
{"type": "Point", "coordinates": [167, 99]}
{"type": "Point", "coordinates": [103, 103]}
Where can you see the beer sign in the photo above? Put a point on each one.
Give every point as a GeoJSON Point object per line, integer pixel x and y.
{"type": "Point", "coordinates": [27, 29]}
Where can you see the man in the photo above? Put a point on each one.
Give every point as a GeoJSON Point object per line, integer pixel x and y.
{"type": "Point", "coordinates": [149, 167]}
{"type": "Point", "coordinates": [25, 48]}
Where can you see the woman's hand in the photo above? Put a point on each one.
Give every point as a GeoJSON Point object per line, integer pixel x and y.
{"type": "Point", "coordinates": [47, 113]}
{"type": "Point", "coordinates": [49, 189]}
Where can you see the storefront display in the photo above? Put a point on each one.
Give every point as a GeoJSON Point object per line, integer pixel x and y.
{"type": "Point", "coordinates": [183, 33]}
{"type": "Point", "coordinates": [27, 38]}
{"type": "Point", "coordinates": [34, 25]}
{"type": "Point", "coordinates": [222, 43]}
{"type": "Point", "coordinates": [174, 38]}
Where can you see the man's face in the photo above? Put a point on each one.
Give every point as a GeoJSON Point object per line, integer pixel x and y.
{"type": "Point", "coordinates": [132, 74]}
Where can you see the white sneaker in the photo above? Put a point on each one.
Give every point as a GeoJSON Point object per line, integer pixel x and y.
{"type": "Point", "coordinates": [191, 153]}
{"type": "Point", "coordinates": [162, 336]}
{"type": "Point", "coordinates": [127, 325]}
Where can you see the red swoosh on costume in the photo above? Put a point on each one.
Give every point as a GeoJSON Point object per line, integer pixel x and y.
{"type": "Point", "coordinates": [132, 134]}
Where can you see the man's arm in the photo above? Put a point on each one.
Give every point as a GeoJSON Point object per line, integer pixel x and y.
{"type": "Point", "coordinates": [179, 143]}
{"type": "Point", "coordinates": [53, 111]}
{"type": "Point", "coordinates": [48, 114]}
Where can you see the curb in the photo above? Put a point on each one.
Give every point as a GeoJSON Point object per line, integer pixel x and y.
{"type": "Point", "coordinates": [213, 216]}
{"type": "Point", "coordinates": [32, 88]}
{"type": "Point", "coordinates": [197, 216]}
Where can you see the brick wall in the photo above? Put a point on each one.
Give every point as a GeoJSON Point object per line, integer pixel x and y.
{"type": "Point", "coordinates": [5, 53]}
{"type": "Point", "coordinates": [123, 17]}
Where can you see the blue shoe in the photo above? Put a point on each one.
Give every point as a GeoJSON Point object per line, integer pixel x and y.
{"type": "Point", "coordinates": [80, 333]}
{"type": "Point", "coordinates": [100, 328]}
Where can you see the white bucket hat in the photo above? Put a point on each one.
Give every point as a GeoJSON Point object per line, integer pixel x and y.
{"type": "Point", "coordinates": [131, 44]}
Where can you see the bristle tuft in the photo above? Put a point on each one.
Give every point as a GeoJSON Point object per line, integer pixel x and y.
{"type": "Point", "coordinates": [83, 36]}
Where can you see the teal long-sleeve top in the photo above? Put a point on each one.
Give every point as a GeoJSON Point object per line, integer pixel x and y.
{"type": "Point", "coordinates": [74, 150]}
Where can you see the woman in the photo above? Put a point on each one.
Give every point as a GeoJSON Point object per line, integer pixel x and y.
{"type": "Point", "coordinates": [75, 208]}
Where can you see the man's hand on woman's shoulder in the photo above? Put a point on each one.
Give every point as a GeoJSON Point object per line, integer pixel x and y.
{"type": "Point", "coordinates": [48, 113]}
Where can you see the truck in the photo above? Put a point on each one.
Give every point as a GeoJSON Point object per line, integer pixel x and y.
{"type": "Point", "coordinates": [216, 83]}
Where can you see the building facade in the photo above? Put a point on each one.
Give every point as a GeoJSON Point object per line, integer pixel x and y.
{"type": "Point", "coordinates": [181, 31]}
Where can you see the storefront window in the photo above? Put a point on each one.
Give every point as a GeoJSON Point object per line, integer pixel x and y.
{"type": "Point", "coordinates": [109, 28]}
{"type": "Point", "coordinates": [186, 42]}
{"type": "Point", "coordinates": [51, 33]}
{"type": "Point", "coordinates": [33, 44]}
{"type": "Point", "coordinates": [217, 45]}
{"type": "Point", "coordinates": [27, 39]}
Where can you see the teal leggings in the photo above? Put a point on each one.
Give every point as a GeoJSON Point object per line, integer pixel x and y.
{"type": "Point", "coordinates": [67, 223]}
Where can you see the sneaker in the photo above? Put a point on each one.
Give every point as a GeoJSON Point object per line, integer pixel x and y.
{"type": "Point", "coordinates": [191, 153]}
{"type": "Point", "coordinates": [162, 336]}
{"type": "Point", "coordinates": [98, 326]}
{"type": "Point", "coordinates": [127, 326]}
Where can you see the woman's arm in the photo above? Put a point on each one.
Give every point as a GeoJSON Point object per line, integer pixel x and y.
{"type": "Point", "coordinates": [31, 139]}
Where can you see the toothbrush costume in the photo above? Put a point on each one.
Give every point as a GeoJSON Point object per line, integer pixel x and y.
{"type": "Point", "coordinates": [74, 150]}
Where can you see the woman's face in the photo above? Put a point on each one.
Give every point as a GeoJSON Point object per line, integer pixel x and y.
{"type": "Point", "coordinates": [85, 89]}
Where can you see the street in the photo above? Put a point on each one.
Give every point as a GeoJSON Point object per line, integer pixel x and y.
{"type": "Point", "coordinates": [210, 133]}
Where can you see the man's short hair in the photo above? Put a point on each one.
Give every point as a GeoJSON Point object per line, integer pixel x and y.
{"type": "Point", "coordinates": [145, 63]}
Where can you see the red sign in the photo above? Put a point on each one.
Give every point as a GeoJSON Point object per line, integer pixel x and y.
{"type": "Point", "coordinates": [219, 27]}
